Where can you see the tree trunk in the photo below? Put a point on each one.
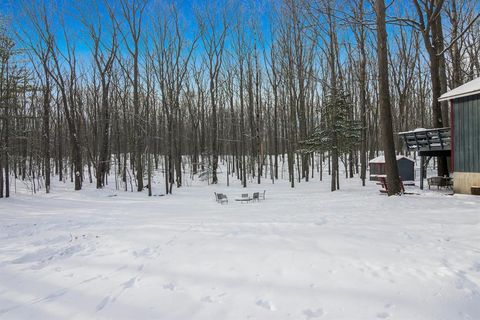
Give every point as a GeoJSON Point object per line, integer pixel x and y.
{"type": "Point", "coordinates": [391, 170]}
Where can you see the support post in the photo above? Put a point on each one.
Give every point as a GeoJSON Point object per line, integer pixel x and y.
{"type": "Point", "coordinates": [422, 172]}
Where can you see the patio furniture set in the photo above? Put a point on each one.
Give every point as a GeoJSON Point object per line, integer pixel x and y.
{"type": "Point", "coordinates": [245, 198]}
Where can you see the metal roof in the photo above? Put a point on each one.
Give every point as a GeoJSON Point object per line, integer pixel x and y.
{"type": "Point", "coordinates": [468, 89]}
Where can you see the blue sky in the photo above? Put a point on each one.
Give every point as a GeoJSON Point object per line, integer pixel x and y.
{"type": "Point", "coordinates": [68, 9]}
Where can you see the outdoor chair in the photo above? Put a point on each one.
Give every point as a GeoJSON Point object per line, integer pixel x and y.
{"type": "Point", "coordinates": [444, 182]}
{"type": "Point", "coordinates": [221, 198]}
{"type": "Point", "coordinates": [224, 199]}
{"type": "Point", "coordinates": [263, 194]}
{"type": "Point", "coordinates": [256, 196]}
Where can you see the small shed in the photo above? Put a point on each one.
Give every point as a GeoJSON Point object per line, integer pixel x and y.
{"type": "Point", "coordinates": [465, 135]}
{"type": "Point", "coordinates": [406, 168]}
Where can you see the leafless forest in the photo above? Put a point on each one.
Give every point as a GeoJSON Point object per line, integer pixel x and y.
{"type": "Point", "coordinates": [113, 92]}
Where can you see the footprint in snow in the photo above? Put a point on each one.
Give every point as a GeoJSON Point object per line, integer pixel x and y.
{"type": "Point", "coordinates": [130, 283]}
{"type": "Point", "coordinates": [91, 279]}
{"type": "Point", "coordinates": [207, 299]}
{"type": "Point", "coordinates": [311, 314]}
{"type": "Point", "coordinates": [169, 286]}
{"type": "Point", "coordinates": [103, 303]}
{"type": "Point", "coordinates": [3, 311]}
{"type": "Point", "coordinates": [146, 253]}
{"type": "Point", "coordinates": [266, 305]}
{"type": "Point", "coordinates": [54, 296]}
{"type": "Point", "coordinates": [122, 268]}
{"type": "Point", "coordinates": [383, 315]}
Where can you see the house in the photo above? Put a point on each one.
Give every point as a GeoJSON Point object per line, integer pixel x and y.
{"type": "Point", "coordinates": [465, 135]}
{"type": "Point", "coordinates": [406, 168]}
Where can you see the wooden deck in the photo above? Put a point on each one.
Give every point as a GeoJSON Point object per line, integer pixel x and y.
{"type": "Point", "coordinates": [428, 142]}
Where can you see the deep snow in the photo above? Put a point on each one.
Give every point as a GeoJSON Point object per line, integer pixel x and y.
{"type": "Point", "coordinates": [303, 253]}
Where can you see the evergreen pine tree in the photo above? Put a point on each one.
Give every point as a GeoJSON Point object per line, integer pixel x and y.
{"type": "Point", "coordinates": [338, 133]}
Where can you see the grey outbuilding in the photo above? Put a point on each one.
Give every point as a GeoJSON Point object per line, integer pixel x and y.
{"type": "Point", "coordinates": [406, 168]}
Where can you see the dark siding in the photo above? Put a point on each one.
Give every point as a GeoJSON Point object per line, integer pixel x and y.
{"type": "Point", "coordinates": [467, 134]}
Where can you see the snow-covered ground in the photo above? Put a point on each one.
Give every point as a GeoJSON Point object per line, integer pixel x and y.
{"type": "Point", "coordinates": [303, 253]}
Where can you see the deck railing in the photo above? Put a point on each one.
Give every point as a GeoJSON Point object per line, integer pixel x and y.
{"type": "Point", "coordinates": [427, 139]}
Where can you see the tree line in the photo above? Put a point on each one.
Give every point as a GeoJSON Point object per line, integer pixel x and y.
{"type": "Point", "coordinates": [122, 89]}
